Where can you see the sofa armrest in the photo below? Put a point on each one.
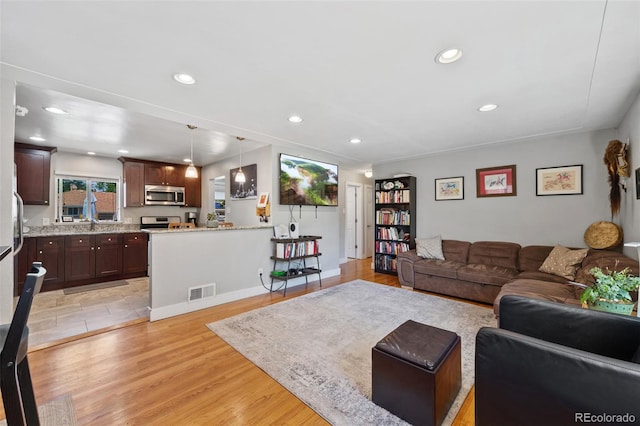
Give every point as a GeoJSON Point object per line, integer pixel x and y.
{"type": "Point", "coordinates": [607, 334]}
{"type": "Point", "coordinates": [526, 381]}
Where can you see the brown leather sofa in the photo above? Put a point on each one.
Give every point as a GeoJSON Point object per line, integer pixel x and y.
{"type": "Point", "coordinates": [484, 271]}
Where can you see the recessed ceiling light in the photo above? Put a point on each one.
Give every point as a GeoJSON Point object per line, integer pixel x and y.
{"type": "Point", "coordinates": [487, 107]}
{"type": "Point", "coordinates": [355, 140]}
{"type": "Point", "coordinates": [184, 79]}
{"type": "Point", "coordinates": [37, 138]}
{"type": "Point", "coordinates": [448, 56]}
{"type": "Point", "coordinates": [91, 153]}
{"type": "Point", "coordinates": [55, 110]}
{"type": "Point", "coordinates": [295, 119]}
{"type": "Point", "coordinates": [123, 151]}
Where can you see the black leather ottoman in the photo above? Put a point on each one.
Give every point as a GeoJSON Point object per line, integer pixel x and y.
{"type": "Point", "coordinates": [416, 372]}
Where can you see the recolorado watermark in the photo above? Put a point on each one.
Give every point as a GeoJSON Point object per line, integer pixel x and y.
{"type": "Point", "coordinates": [604, 418]}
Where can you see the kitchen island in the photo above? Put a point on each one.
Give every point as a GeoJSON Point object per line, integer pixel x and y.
{"type": "Point", "coordinates": [192, 269]}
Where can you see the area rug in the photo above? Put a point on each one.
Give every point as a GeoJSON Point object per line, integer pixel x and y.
{"type": "Point", "coordinates": [91, 287]}
{"type": "Point", "coordinates": [57, 412]}
{"type": "Point", "coordinates": [318, 346]}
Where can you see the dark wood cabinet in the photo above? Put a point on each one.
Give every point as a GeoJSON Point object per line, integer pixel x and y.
{"type": "Point", "coordinates": [50, 251]}
{"type": "Point", "coordinates": [33, 170]}
{"type": "Point", "coordinates": [108, 255]}
{"type": "Point", "coordinates": [92, 256]}
{"type": "Point", "coordinates": [135, 255]}
{"type": "Point", "coordinates": [163, 174]}
{"type": "Point", "coordinates": [75, 260]}
{"type": "Point", "coordinates": [193, 190]}
{"type": "Point", "coordinates": [22, 263]}
{"type": "Point", "coordinates": [80, 259]}
{"type": "Point", "coordinates": [134, 175]}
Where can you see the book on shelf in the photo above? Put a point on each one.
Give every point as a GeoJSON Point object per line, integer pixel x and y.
{"type": "Point", "coordinates": [387, 216]}
{"type": "Point", "coordinates": [394, 196]}
{"type": "Point", "coordinates": [296, 249]}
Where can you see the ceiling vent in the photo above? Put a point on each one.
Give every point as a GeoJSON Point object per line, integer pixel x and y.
{"type": "Point", "coordinates": [202, 292]}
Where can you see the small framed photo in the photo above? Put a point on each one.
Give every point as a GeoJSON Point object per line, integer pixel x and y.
{"type": "Point", "coordinates": [564, 180]}
{"type": "Point", "coordinates": [496, 181]}
{"type": "Point", "coordinates": [450, 188]}
{"type": "Point", "coordinates": [67, 218]}
{"type": "Point", "coordinates": [263, 199]}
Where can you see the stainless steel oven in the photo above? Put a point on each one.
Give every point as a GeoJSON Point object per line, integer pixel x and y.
{"type": "Point", "coordinates": [160, 195]}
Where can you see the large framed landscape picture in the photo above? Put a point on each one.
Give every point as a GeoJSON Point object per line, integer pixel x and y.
{"type": "Point", "coordinates": [564, 180]}
{"type": "Point", "coordinates": [496, 181]}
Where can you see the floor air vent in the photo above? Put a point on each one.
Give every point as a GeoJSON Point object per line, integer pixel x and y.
{"type": "Point", "coordinates": [201, 292]}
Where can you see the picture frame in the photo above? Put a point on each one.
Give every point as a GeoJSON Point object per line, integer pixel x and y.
{"type": "Point", "coordinates": [496, 181]}
{"type": "Point", "coordinates": [67, 218]}
{"type": "Point", "coordinates": [244, 190]}
{"type": "Point", "coordinates": [451, 188]}
{"type": "Point", "coordinates": [263, 200]}
{"type": "Point", "coordinates": [560, 180]}
{"type": "Point", "coordinates": [638, 183]}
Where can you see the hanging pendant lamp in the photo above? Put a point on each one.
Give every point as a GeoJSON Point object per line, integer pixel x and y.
{"type": "Point", "coordinates": [240, 177]}
{"type": "Point", "coordinates": [191, 172]}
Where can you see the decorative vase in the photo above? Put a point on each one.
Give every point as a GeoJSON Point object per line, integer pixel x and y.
{"type": "Point", "coordinates": [212, 224]}
{"type": "Point", "coordinates": [616, 308]}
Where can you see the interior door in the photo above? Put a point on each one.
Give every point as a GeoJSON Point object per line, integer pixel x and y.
{"type": "Point", "coordinates": [368, 220]}
{"type": "Point", "coordinates": [350, 222]}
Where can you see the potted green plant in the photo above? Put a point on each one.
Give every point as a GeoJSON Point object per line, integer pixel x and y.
{"type": "Point", "coordinates": [611, 291]}
{"type": "Point", "coordinates": [212, 221]}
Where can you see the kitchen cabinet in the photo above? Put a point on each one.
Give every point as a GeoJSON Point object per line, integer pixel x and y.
{"type": "Point", "coordinates": [33, 169]}
{"type": "Point", "coordinates": [133, 173]}
{"type": "Point", "coordinates": [193, 190]}
{"type": "Point", "coordinates": [92, 256]}
{"type": "Point", "coordinates": [79, 259]}
{"type": "Point", "coordinates": [135, 256]}
{"type": "Point", "coordinates": [163, 174]}
{"type": "Point", "coordinates": [50, 251]}
{"type": "Point", "coordinates": [22, 264]}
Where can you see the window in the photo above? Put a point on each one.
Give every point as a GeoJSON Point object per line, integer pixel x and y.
{"type": "Point", "coordinates": [86, 198]}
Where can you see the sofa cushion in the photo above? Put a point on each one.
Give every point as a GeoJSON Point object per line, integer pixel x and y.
{"type": "Point", "coordinates": [541, 290]}
{"type": "Point", "coordinates": [486, 274]}
{"type": "Point", "coordinates": [457, 251]}
{"type": "Point", "coordinates": [563, 262]}
{"type": "Point", "coordinates": [531, 258]}
{"type": "Point", "coordinates": [494, 253]}
{"type": "Point", "coordinates": [439, 268]}
{"type": "Point", "coordinates": [542, 276]}
{"type": "Point", "coordinates": [430, 248]}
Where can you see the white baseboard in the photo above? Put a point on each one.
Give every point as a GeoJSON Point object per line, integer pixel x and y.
{"type": "Point", "coordinates": [186, 307]}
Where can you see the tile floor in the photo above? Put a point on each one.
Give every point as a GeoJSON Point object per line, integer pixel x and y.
{"type": "Point", "coordinates": [55, 315]}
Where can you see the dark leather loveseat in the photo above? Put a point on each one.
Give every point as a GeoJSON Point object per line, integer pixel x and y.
{"type": "Point", "coordinates": [553, 364]}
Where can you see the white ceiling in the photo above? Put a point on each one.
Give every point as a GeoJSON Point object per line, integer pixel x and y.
{"type": "Point", "coordinates": [350, 69]}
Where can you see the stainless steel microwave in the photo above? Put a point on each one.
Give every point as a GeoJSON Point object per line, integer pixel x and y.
{"type": "Point", "coordinates": [160, 195]}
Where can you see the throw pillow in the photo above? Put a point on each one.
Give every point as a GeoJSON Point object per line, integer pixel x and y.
{"type": "Point", "coordinates": [430, 248]}
{"type": "Point", "coordinates": [563, 262]}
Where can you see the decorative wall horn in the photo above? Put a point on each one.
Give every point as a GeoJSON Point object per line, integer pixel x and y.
{"type": "Point", "coordinates": [615, 158]}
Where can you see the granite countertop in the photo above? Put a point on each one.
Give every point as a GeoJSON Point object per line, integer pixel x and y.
{"type": "Point", "coordinates": [80, 228]}
{"type": "Point", "coordinates": [205, 229]}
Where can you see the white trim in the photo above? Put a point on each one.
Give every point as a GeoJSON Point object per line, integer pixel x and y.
{"type": "Point", "coordinates": [85, 175]}
{"type": "Point", "coordinates": [186, 307]}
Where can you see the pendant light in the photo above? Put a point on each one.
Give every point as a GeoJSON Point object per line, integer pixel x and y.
{"type": "Point", "coordinates": [191, 172]}
{"type": "Point", "coordinates": [240, 177]}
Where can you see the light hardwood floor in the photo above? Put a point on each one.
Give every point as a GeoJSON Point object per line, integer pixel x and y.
{"type": "Point", "coordinates": [176, 371]}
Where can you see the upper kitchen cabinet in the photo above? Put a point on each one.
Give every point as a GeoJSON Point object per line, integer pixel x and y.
{"type": "Point", "coordinates": [193, 190]}
{"type": "Point", "coordinates": [163, 174]}
{"type": "Point", "coordinates": [33, 166]}
{"type": "Point", "coordinates": [133, 172]}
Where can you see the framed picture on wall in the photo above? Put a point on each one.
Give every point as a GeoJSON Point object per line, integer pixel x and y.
{"type": "Point", "coordinates": [246, 190]}
{"type": "Point", "coordinates": [496, 181]}
{"type": "Point", "coordinates": [564, 180]}
{"type": "Point", "coordinates": [450, 188]}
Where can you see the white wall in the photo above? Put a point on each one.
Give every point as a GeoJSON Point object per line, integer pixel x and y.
{"type": "Point", "coordinates": [525, 218]}
{"type": "Point", "coordinates": [630, 208]}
